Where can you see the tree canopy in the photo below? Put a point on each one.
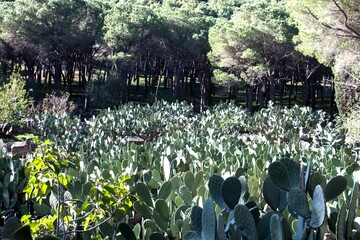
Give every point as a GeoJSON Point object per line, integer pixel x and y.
{"type": "Point", "coordinates": [255, 45]}
{"type": "Point", "coordinates": [329, 30]}
{"type": "Point", "coordinates": [260, 46]}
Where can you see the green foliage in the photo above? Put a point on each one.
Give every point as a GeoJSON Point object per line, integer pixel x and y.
{"type": "Point", "coordinates": [249, 45]}
{"type": "Point", "coordinates": [14, 101]}
{"type": "Point", "coordinates": [70, 198]}
{"type": "Point", "coordinates": [73, 20]}
{"type": "Point", "coordinates": [185, 158]}
{"type": "Point", "coordinates": [59, 104]}
{"type": "Point", "coordinates": [12, 184]}
{"type": "Point", "coordinates": [103, 95]}
{"type": "Point", "coordinates": [329, 31]}
{"type": "Point", "coordinates": [352, 124]}
{"type": "Point", "coordinates": [244, 219]}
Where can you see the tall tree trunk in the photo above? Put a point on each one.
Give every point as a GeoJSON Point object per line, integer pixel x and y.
{"type": "Point", "coordinates": [123, 81]}
{"type": "Point", "coordinates": [46, 76]}
{"type": "Point", "coordinates": [137, 77]}
{"type": "Point", "coordinates": [313, 95]}
{"type": "Point", "coordinates": [89, 69]}
{"type": "Point", "coordinates": [57, 76]}
{"type": "Point", "coordinates": [332, 105]}
{"type": "Point", "coordinates": [203, 91]}
{"type": "Point", "coordinates": [129, 77]}
{"type": "Point", "coordinates": [79, 73]}
{"type": "Point", "coordinates": [70, 78]}
{"type": "Point", "coordinates": [31, 78]}
{"type": "Point", "coordinates": [192, 83]}
{"type": "Point", "coordinates": [291, 91]}
{"type": "Point", "coordinates": [261, 92]}
{"type": "Point", "coordinates": [166, 78]}
{"type": "Point", "coordinates": [272, 87]}
{"type": "Point", "coordinates": [179, 71]}
{"type": "Point", "coordinates": [64, 79]}
{"type": "Point", "coordinates": [306, 91]}
{"type": "Point", "coordinates": [83, 75]}
{"type": "Point", "coordinates": [250, 97]}
{"type": "Point", "coordinates": [39, 74]}
{"type": "Point", "coordinates": [281, 99]}
{"type": "Point", "coordinates": [146, 78]}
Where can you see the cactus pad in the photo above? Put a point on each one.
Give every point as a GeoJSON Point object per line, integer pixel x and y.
{"type": "Point", "coordinates": [144, 193]}
{"type": "Point", "coordinates": [231, 191]}
{"type": "Point", "coordinates": [318, 208]}
{"type": "Point", "coordinates": [298, 202]}
{"type": "Point", "coordinates": [126, 231]}
{"type": "Point", "coordinates": [279, 175]}
{"type": "Point", "coordinates": [245, 222]}
{"type": "Point", "coordinates": [208, 221]}
{"type": "Point", "coordinates": [315, 179]}
{"type": "Point", "coordinates": [271, 193]}
{"type": "Point", "coordinates": [215, 183]}
{"type": "Point", "coordinates": [196, 218]}
{"type": "Point", "coordinates": [294, 171]}
{"type": "Point", "coordinates": [276, 228]}
{"type": "Point", "coordinates": [165, 190]}
{"type": "Point", "coordinates": [335, 187]}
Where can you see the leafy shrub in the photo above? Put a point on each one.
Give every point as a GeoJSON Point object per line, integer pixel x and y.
{"type": "Point", "coordinates": [352, 124]}
{"type": "Point", "coordinates": [347, 85]}
{"type": "Point", "coordinates": [73, 199]}
{"type": "Point", "coordinates": [14, 101]}
{"type": "Point", "coordinates": [55, 104]}
{"type": "Point", "coordinates": [51, 114]}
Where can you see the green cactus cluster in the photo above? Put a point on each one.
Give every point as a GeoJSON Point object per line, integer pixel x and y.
{"type": "Point", "coordinates": [12, 184]}
{"type": "Point", "coordinates": [289, 191]}
{"type": "Point", "coordinates": [240, 180]}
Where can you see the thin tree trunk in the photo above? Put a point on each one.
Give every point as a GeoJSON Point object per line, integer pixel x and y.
{"type": "Point", "coordinates": [332, 105]}
{"type": "Point", "coordinates": [179, 71]}
{"type": "Point", "coordinates": [313, 95]}
{"type": "Point", "coordinates": [250, 97]}
{"type": "Point", "coordinates": [281, 99]}
{"type": "Point", "coordinates": [261, 92]}
{"type": "Point", "coordinates": [89, 69]}
{"type": "Point", "coordinates": [166, 78]}
{"type": "Point", "coordinates": [83, 75]}
{"type": "Point", "coordinates": [192, 83]}
{"type": "Point", "coordinates": [70, 78]}
{"type": "Point", "coordinates": [123, 81]}
{"type": "Point", "coordinates": [272, 88]}
{"type": "Point", "coordinates": [202, 92]}
{"type": "Point", "coordinates": [291, 91]}
{"type": "Point", "coordinates": [57, 77]}
{"type": "Point", "coordinates": [46, 76]}
{"type": "Point", "coordinates": [38, 74]}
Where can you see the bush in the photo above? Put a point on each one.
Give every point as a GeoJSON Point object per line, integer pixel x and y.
{"type": "Point", "coordinates": [14, 101]}
{"type": "Point", "coordinates": [352, 124]}
{"type": "Point", "coordinates": [58, 104]}
{"type": "Point", "coordinates": [51, 114]}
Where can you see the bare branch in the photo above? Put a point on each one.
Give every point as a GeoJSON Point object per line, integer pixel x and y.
{"type": "Point", "coordinates": [327, 26]}
{"type": "Point", "coordinates": [346, 20]}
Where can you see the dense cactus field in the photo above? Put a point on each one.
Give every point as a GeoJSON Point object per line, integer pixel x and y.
{"type": "Point", "coordinates": [166, 172]}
